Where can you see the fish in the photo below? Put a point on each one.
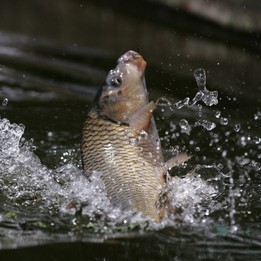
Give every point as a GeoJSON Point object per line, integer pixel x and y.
{"type": "Point", "coordinates": [120, 141]}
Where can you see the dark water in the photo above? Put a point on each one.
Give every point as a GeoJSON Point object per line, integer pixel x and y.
{"type": "Point", "coordinates": [50, 70]}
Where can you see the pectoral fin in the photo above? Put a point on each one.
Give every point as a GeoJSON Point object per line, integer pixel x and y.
{"type": "Point", "coordinates": [141, 119]}
{"type": "Point", "coordinates": [175, 161]}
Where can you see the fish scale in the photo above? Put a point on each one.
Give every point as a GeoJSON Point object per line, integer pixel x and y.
{"type": "Point", "coordinates": [120, 141]}
{"type": "Point", "coordinates": [128, 170]}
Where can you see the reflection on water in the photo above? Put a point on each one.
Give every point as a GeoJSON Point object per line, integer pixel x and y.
{"type": "Point", "coordinates": [44, 197]}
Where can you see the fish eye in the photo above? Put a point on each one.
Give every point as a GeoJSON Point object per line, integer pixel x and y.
{"type": "Point", "coordinates": [115, 81]}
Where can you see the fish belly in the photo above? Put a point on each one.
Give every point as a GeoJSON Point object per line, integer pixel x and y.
{"type": "Point", "coordinates": [127, 165]}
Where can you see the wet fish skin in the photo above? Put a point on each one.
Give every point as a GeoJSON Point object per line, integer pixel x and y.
{"type": "Point", "coordinates": [129, 171]}
{"type": "Point", "coordinates": [120, 140]}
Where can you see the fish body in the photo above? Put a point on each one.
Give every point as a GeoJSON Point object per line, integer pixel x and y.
{"type": "Point", "coordinates": [120, 140]}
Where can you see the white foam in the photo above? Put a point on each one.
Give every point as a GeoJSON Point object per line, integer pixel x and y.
{"type": "Point", "coordinates": [187, 194]}
{"type": "Point", "coordinates": [24, 179]}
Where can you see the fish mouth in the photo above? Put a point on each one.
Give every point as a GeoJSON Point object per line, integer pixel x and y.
{"type": "Point", "coordinates": [132, 57]}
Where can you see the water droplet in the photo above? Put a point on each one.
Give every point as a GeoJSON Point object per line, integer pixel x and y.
{"type": "Point", "coordinates": [140, 149]}
{"type": "Point", "coordinates": [182, 103]}
{"type": "Point", "coordinates": [133, 141]}
{"type": "Point", "coordinates": [162, 101]}
{"type": "Point", "coordinates": [199, 110]}
{"type": "Point", "coordinates": [257, 116]}
{"type": "Point", "coordinates": [237, 127]}
{"type": "Point", "coordinates": [184, 125]}
{"type": "Point", "coordinates": [198, 97]}
{"type": "Point", "coordinates": [217, 114]}
{"type": "Point", "coordinates": [200, 76]}
{"type": "Point", "coordinates": [257, 140]}
{"type": "Point", "coordinates": [5, 102]}
{"type": "Point", "coordinates": [220, 166]}
{"type": "Point", "coordinates": [243, 141]}
{"type": "Point", "coordinates": [210, 98]}
{"type": "Point", "coordinates": [208, 125]}
{"type": "Point", "coordinates": [223, 121]}
{"type": "Point", "coordinates": [143, 134]}
{"type": "Point", "coordinates": [256, 165]}
{"type": "Point", "coordinates": [50, 134]}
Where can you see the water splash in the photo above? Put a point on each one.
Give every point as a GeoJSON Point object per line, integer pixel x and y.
{"type": "Point", "coordinates": [67, 196]}
{"type": "Point", "coordinates": [209, 98]}
{"type": "Point", "coordinates": [208, 125]}
{"type": "Point", "coordinates": [187, 194]}
{"type": "Point", "coordinates": [26, 182]}
{"type": "Point", "coordinates": [237, 163]}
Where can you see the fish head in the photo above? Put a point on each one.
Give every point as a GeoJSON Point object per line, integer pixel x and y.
{"type": "Point", "coordinates": [124, 91]}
